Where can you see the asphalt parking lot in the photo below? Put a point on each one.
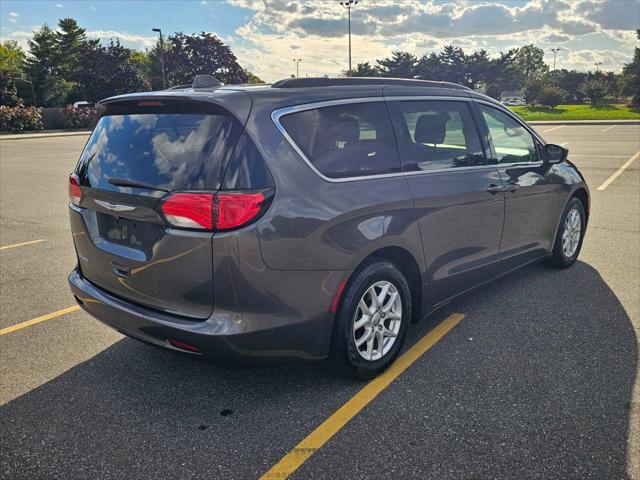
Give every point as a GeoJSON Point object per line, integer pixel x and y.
{"type": "Point", "coordinates": [536, 381]}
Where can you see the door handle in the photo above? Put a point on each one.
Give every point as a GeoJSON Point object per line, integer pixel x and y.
{"type": "Point", "coordinates": [493, 189]}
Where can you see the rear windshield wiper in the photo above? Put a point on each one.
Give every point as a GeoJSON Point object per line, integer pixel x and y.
{"type": "Point", "coordinates": [125, 182]}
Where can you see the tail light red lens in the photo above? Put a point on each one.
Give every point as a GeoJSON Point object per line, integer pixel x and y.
{"type": "Point", "coordinates": [232, 210]}
{"type": "Point", "coordinates": [207, 211]}
{"type": "Point", "coordinates": [189, 210]}
{"type": "Point", "coordinates": [75, 193]}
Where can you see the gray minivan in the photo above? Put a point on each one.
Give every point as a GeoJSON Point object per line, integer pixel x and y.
{"type": "Point", "coordinates": [311, 218]}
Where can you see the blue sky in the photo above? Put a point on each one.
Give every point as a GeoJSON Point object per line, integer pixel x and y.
{"type": "Point", "coordinates": [267, 34]}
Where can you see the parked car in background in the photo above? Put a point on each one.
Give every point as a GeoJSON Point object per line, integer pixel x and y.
{"type": "Point", "coordinates": [311, 218]}
{"type": "Point", "coordinates": [83, 104]}
{"type": "Point", "coordinates": [512, 98]}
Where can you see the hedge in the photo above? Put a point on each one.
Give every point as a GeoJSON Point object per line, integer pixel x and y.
{"type": "Point", "coordinates": [20, 119]}
{"type": "Point", "coordinates": [74, 118]}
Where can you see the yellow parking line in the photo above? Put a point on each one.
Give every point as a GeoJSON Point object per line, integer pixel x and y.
{"type": "Point", "coordinates": [332, 425]}
{"type": "Point", "coordinates": [41, 319]}
{"type": "Point", "coordinates": [618, 172]}
{"type": "Point", "coordinates": [6, 247]}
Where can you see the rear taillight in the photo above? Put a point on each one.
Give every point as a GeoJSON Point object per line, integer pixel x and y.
{"type": "Point", "coordinates": [189, 210]}
{"type": "Point", "coordinates": [207, 211]}
{"type": "Point", "coordinates": [232, 210]}
{"type": "Point", "coordinates": [75, 193]}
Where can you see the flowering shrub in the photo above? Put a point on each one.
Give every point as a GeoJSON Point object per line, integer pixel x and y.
{"type": "Point", "coordinates": [20, 118]}
{"type": "Point", "coordinates": [73, 118]}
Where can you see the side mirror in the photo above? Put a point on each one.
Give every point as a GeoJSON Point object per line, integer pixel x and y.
{"type": "Point", "coordinates": [554, 153]}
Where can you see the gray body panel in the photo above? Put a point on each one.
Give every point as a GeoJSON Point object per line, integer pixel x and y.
{"type": "Point", "coordinates": [273, 282]}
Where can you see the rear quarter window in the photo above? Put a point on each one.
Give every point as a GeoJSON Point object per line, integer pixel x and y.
{"type": "Point", "coordinates": [170, 151]}
{"type": "Point", "coordinates": [350, 140]}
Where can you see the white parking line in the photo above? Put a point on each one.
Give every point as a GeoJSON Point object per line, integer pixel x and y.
{"type": "Point", "coordinates": [608, 128]}
{"type": "Point", "coordinates": [564, 144]}
{"type": "Point", "coordinates": [618, 172]}
{"type": "Point", "coordinates": [598, 156]}
{"type": "Point", "coordinates": [554, 128]}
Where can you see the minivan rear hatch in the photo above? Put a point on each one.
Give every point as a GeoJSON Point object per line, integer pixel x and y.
{"type": "Point", "coordinates": [138, 155]}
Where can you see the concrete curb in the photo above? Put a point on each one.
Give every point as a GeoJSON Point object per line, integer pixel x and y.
{"type": "Point", "coordinates": [60, 133]}
{"type": "Point", "coordinates": [583, 122]}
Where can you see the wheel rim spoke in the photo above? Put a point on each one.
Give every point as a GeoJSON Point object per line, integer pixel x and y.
{"type": "Point", "coordinates": [571, 233]}
{"type": "Point", "coordinates": [365, 320]}
{"type": "Point", "coordinates": [377, 320]}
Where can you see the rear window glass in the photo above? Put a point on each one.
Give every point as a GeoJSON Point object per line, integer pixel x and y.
{"type": "Point", "coordinates": [169, 151]}
{"type": "Point", "coordinates": [346, 140]}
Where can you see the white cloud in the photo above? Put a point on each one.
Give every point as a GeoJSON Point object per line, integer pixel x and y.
{"type": "Point", "coordinates": [128, 40]}
{"type": "Point", "coordinates": [59, 5]}
{"type": "Point", "coordinates": [13, 14]}
{"type": "Point", "coordinates": [203, 2]}
{"type": "Point", "coordinates": [318, 29]}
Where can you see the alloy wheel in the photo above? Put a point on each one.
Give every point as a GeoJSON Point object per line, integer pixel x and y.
{"type": "Point", "coordinates": [377, 320]}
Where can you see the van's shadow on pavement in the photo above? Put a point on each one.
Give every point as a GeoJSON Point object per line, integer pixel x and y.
{"type": "Point", "coordinates": [546, 382]}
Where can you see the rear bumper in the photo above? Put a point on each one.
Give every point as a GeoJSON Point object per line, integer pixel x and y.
{"type": "Point", "coordinates": [223, 338]}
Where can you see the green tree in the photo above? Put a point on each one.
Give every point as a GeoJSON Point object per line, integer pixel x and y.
{"type": "Point", "coordinates": [12, 60]}
{"type": "Point", "coordinates": [107, 71]}
{"type": "Point", "coordinates": [532, 88]}
{"type": "Point", "coordinates": [69, 38]}
{"type": "Point", "coordinates": [595, 89]}
{"type": "Point", "coordinates": [551, 96]}
{"type": "Point", "coordinates": [630, 80]}
{"type": "Point", "coordinates": [529, 62]}
{"type": "Point", "coordinates": [493, 91]}
{"type": "Point", "coordinates": [42, 64]}
{"type": "Point", "coordinates": [143, 62]}
{"type": "Point", "coordinates": [365, 69]}
{"type": "Point", "coordinates": [453, 65]}
{"type": "Point", "coordinates": [569, 81]}
{"type": "Point", "coordinates": [253, 78]}
{"type": "Point", "coordinates": [191, 55]}
{"type": "Point", "coordinates": [400, 65]}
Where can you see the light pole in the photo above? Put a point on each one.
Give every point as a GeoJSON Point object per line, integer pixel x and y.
{"type": "Point", "coordinates": [297, 62]}
{"type": "Point", "coordinates": [555, 52]}
{"type": "Point", "coordinates": [349, 4]}
{"type": "Point", "coordinates": [597, 64]}
{"type": "Point", "coordinates": [164, 79]}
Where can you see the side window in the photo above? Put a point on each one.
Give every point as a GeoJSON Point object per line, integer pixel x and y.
{"type": "Point", "coordinates": [246, 169]}
{"type": "Point", "coordinates": [346, 140]}
{"type": "Point", "coordinates": [443, 135]}
{"type": "Point", "coordinates": [512, 142]}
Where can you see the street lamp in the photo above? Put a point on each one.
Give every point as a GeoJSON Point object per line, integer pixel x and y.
{"type": "Point", "coordinates": [349, 4]}
{"type": "Point", "coordinates": [555, 52]}
{"type": "Point", "coordinates": [164, 79]}
{"type": "Point", "coordinates": [597, 64]}
{"type": "Point", "coordinates": [297, 62]}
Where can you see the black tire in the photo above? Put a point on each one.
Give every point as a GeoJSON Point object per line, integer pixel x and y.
{"type": "Point", "coordinates": [559, 258]}
{"type": "Point", "coordinates": [344, 353]}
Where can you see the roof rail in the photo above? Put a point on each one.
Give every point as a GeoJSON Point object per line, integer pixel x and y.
{"type": "Point", "coordinates": [180, 87]}
{"type": "Point", "coordinates": [352, 81]}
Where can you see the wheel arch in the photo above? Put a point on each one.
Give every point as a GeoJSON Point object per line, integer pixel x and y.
{"type": "Point", "coordinates": [409, 267]}
{"type": "Point", "coordinates": [581, 194]}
